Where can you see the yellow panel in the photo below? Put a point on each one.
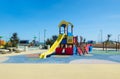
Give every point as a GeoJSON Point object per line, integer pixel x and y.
{"type": "Point", "coordinates": [70, 39]}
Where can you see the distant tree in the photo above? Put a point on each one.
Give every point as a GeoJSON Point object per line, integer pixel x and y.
{"type": "Point", "coordinates": [14, 40]}
{"type": "Point", "coordinates": [54, 38]}
{"type": "Point", "coordinates": [0, 37]}
{"type": "Point", "coordinates": [50, 41]}
{"type": "Point", "coordinates": [8, 44]}
{"type": "Point", "coordinates": [84, 40]}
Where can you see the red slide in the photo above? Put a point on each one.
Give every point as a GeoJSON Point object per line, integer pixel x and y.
{"type": "Point", "coordinates": [87, 48]}
{"type": "Point", "coordinates": [79, 51]}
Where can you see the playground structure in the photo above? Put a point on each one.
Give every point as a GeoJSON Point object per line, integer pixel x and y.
{"type": "Point", "coordinates": [66, 43]}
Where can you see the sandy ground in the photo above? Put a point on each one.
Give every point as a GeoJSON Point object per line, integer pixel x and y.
{"type": "Point", "coordinates": [59, 71]}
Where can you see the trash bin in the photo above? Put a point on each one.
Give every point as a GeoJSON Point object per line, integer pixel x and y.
{"type": "Point", "coordinates": [25, 48]}
{"type": "Point", "coordinates": [40, 47]}
{"type": "Point", "coordinates": [48, 46]}
{"type": "Point", "coordinates": [90, 48]}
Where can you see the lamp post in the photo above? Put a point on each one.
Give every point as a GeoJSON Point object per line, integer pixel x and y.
{"type": "Point", "coordinates": [118, 41]}
{"type": "Point", "coordinates": [44, 36]}
{"type": "Point", "coordinates": [118, 37]}
{"type": "Point", "coordinates": [39, 37]}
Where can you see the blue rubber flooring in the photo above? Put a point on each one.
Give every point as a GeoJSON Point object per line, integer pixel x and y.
{"type": "Point", "coordinates": [62, 60]}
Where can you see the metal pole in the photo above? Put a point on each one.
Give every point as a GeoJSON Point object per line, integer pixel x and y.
{"type": "Point", "coordinates": [44, 36]}
{"type": "Point", "coordinates": [103, 46]}
{"type": "Point", "coordinates": [39, 37]}
{"type": "Point", "coordinates": [101, 32]}
{"type": "Point", "coordinates": [118, 41]}
{"type": "Point", "coordinates": [118, 38]}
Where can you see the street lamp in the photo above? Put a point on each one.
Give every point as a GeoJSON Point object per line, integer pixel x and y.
{"type": "Point", "coordinates": [39, 37]}
{"type": "Point", "coordinates": [118, 41]}
{"type": "Point", "coordinates": [118, 37]}
{"type": "Point", "coordinates": [44, 36]}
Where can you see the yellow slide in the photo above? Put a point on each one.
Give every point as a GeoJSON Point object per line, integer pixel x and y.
{"type": "Point", "coordinates": [53, 47]}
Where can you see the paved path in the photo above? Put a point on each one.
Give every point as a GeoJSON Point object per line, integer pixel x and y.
{"type": "Point", "coordinates": [92, 61]}
{"type": "Point", "coordinates": [59, 71]}
{"type": "Point", "coordinates": [23, 53]}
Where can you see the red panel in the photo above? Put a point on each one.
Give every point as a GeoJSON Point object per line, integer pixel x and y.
{"type": "Point", "coordinates": [69, 51]}
{"type": "Point", "coordinates": [58, 51]}
{"type": "Point", "coordinates": [87, 48]}
{"type": "Point", "coordinates": [75, 39]}
{"type": "Point", "coordinates": [79, 51]}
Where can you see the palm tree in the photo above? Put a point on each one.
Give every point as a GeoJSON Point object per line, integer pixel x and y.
{"type": "Point", "coordinates": [14, 40]}
{"type": "Point", "coordinates": [108, 37]}
{"type": "Point", "coordinates": [107, 41]}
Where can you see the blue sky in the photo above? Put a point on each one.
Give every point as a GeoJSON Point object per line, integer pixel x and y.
{"type": "Point", "coordinates": [30, 17]}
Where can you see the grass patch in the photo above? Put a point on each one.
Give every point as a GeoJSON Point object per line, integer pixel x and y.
{"type": "Point", "coordinates": [109, 52]}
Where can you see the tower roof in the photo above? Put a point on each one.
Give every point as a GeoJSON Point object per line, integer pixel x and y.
{"type": "Point", "coordinates": [65, 24]}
